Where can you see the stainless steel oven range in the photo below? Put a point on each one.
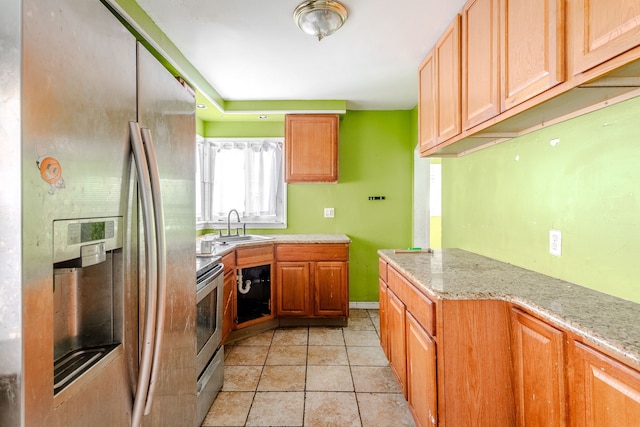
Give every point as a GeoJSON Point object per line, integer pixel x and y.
{"type": "Point", "coordinates": [210, 352]}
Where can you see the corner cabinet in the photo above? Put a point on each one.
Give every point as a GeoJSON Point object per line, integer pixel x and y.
{"type": "Point", "coordinates": [312, 280]}
{"type": "Point", "coordinates": [228, 310]}
{"type": "Point", "coordinates": [311, 148]}
{"type": "Point", "coordinates": [255, 274]}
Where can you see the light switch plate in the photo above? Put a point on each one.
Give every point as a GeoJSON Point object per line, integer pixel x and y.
{"type": "Point", "coordinates": [328, 212]}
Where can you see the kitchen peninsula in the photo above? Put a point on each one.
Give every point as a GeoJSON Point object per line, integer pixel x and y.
{"type": "Point", "coordinates": [487, 342]}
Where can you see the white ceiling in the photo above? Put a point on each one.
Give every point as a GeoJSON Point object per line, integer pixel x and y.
{"type": "Point", "coordinates": [252, 49]}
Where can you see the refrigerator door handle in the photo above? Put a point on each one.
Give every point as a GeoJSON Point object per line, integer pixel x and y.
{"type": "Point", "coordinates": [151, 259]}
{"type": "Point", "coordinates": [162, 262]}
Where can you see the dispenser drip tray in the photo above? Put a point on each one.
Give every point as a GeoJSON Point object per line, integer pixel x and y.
{"type": "Point", "coordinates": [73, 364]}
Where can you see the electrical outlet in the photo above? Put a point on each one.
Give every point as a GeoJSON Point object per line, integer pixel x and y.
{"type": "Point", "coordinates": [328, 212]}
{"type": "Point", "coordinates": [555, 242]}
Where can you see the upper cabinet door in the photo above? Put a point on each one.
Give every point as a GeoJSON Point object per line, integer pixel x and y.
{"type": "Point", "coordinates": [602, 29]}
{"type": "Point", "coordinates": [311, 148]}
{"type": "Point", "coordinates": [427, 103]}
{"type": "Point", "coordinates": [480, 62]}
{"type": "Point", "coordinates": [532, 49]}
{"type": "Point", "coordinates": [447, 52]}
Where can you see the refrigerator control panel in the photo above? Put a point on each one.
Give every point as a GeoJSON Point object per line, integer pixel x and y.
{"type": "Point", "coordinates": [71, 235]}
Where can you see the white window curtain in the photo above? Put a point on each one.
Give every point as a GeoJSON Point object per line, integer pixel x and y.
{"type": "Point", "coordinates": [246, 175]}
{"type": "Point", "coordinates": [199, 178]}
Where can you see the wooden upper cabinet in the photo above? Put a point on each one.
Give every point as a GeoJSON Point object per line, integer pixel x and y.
{"type": "Point", "coordinates": [601, 30]}
{"type": "Point", "coordinates": [603, 391]}
{"type": "Point", "coordinates": [311, 147]}
{"type": "Point", "coordinates": [427, 106]}
{"type": "Point", "coordinates": [480, 62]}
{"type": "Point", "coordinates": [447, 53]}
{"type": "Point", "coordinates": [532, 59]}
{"type": "Point", "coordinates": [539, 374]}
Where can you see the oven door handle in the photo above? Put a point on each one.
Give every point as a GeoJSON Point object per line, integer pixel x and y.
{"type": "Point", "coordinates": [151, 259]}
{"type": "Point", "coordinates": [207, 283]}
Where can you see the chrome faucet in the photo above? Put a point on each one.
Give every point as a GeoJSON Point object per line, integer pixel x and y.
{"type": "Point", "coordinates": [244, 230]}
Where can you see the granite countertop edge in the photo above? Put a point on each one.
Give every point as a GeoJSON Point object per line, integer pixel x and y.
{"type": "Point", "coordinates": [222, 250]}
{"type": "Point", "coordinates": [606, 321]}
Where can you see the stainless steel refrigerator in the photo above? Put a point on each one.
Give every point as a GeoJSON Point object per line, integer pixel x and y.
{"type": "Point", "coordinates": [94, 245]}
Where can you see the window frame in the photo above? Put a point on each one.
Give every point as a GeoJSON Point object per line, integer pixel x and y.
{"type": "Point", "coordinates": [204, 220]}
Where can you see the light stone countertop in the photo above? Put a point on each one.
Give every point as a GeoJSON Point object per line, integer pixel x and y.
{"type": "Point", "coordinates": [221, 250]}
{"type": "Point", "coordinates": [604, 320]}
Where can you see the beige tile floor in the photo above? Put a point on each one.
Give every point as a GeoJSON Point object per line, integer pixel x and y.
{"type": "Point", "coordinates": [314, 376]}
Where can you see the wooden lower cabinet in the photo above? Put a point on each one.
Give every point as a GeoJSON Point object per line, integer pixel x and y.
{"type": "Point", "coordinates": [312, 288]}
{"type": "Point", "coordinates": [254, 294]}
{"type": "Point", "coordinates": [396, 313]}
{"type": "Point", "coordinates": [490, 363]}
{"type": "Point", "coordinates": [603, 391]}
{"type": "Point", "coordinates": [538, 371]}
{"type": "Point", "coordinates": [292, 287]}
{"type": "Point", "coordinates": [383, 298]}
{"type": "Point", "coordinates": [312, 280]}
{"type": "Point", "coordinates": [228, 308]}
{"type": "Point", "coordinates": [330, 285]}
{"type": "Point", "coordinates": [422, 385]}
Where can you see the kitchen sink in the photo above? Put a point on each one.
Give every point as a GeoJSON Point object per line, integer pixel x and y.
{"type": "Point", "coordinates": [238, 238]}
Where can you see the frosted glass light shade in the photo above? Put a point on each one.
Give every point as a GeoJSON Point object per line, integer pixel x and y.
{"type": "Point", "coordinates": [320, 18]}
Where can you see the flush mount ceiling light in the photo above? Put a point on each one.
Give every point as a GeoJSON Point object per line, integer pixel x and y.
{"type": "Point", "coordinates": [320, 18]}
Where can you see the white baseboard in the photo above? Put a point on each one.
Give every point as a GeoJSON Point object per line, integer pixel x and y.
{"type": "Point", "coordinates": [374, 305]}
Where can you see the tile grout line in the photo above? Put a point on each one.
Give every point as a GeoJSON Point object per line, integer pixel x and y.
{"type": "Point", "coordinates": [255, 392]}
{"type": "Point", "coordinates": [307, 334]}
{"type": "Point", "coordinates": [355, 393]}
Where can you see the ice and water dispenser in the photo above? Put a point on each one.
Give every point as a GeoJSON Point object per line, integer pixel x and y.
{"type": "Point", "coordinates": [87, 295]}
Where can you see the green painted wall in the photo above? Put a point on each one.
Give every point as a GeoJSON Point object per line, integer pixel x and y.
{"type": "Point", "coordinates": [199, 126]}
{"type": "Point", "coordinates": [244, 129]}
{"type": "Point", "coordinates": [375, 159]}
{"type": "Point", "coordinates": [502, 201]}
